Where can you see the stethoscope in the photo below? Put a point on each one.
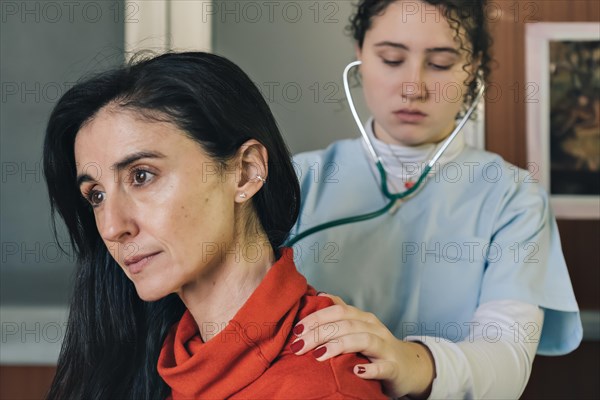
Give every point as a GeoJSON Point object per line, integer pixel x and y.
{"type": "Point", "coordinates": [393, 197]}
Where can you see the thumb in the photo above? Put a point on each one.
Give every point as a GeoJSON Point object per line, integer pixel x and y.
{"type": "Point", "coordinates": [380, 370]}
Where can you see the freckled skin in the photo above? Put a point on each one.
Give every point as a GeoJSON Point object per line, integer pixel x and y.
{"type": "Point", "coordinates": [162, 215]}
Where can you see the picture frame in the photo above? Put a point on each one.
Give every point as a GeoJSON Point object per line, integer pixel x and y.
{"type": "Point", "coordinates": [562, 96]}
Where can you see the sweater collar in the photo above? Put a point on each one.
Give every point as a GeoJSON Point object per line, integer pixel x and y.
{"type": "Point", "coordinates": [244, 349]}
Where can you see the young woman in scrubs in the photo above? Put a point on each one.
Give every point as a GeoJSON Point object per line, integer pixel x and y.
{"type": "Point", "coordinates": [453, 292]}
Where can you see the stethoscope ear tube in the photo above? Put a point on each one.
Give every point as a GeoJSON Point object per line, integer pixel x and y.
{"type": "Point", "coordinates": [359, 123]}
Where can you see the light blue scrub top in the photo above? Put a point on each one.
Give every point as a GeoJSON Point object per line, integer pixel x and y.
{"type": "Point", "coordinates": [480, 230]}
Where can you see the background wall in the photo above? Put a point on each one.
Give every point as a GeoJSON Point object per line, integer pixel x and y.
{"type": "Point", "coordinates": [45, 47]}
{"type": "Point", "coordinates": [295, 51]}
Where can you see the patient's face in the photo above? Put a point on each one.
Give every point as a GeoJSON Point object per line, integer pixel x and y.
{"type": "Point", "coordinates": [161, 205]}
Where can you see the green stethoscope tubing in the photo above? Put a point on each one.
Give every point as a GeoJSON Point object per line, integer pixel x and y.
{"type": "Point", "coordinates": [364, 217]}
{"type": "Point", "coordinates": [393, 197]}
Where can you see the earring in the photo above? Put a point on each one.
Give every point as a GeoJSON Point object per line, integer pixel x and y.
{"type": "Point", "coordinates": [243, 195]}
{"type": "Point", "coordinates": [260, 178]}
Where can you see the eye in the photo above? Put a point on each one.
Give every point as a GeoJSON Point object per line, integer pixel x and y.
{"type": "Point", "coordinates": [141, 177]}
{"type": "Point", "coordinates": [441, 67]}
{"type": "Point", "coordinates": [94, 197]}
{"type": "Point", "coordinates": [392, 62]}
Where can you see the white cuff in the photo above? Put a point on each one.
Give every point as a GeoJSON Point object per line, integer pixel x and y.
{"type": "Point", "coordinates": [453, 374]}
{"type": "Point", "coordinates": [488, 363]}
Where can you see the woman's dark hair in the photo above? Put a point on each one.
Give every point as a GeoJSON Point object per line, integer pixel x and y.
{"type": "Point", "coordinates": [113, 338]}
{"type": "Point", "coordinates": [466, 14]}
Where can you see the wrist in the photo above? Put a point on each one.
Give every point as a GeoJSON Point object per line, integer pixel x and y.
{"type": "Point", "coordinates": [425, 371]}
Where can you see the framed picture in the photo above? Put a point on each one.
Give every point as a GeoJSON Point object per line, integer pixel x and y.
{"type": "Point", "coordinates": [563, 114]}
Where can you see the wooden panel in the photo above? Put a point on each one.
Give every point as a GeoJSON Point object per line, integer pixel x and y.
{"type": "Point", "coordinates": [25, 382]}
{"type": "Point", "coordinates": [504, 116]}
{"type": "Point", "coordinates": [574, 376]}
{"type": "Point", "coordinates": [580, 245]}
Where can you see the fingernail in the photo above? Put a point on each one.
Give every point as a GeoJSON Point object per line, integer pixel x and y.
{"type": "Point", "coordinates": [298, 329]}
{"type": "Point", "coordinates": [319, 352]}
{"type": "Point", "coordinates": [361, 370]}
{"type": "Point", "coordinates": [319, 293]}
{"type": "Point", "coordinates": [297, 346]}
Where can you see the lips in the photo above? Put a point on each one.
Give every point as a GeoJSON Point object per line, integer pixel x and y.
{"type": "Point", "coordinates": [136, 263]}
{"type": "Point", "coordinates": [410, 115]}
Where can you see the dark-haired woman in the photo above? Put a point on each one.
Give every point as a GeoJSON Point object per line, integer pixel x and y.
{"type": "Point", "coordinates": [163, 173]}
{"type": "Point", "coordinates": [453, 292]}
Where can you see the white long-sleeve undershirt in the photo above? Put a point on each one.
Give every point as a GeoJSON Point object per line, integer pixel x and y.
{"type": "Point", "coordinates": [494, 361]}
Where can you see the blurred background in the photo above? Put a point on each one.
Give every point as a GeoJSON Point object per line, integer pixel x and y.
{"type": "Point", "coordinates": [295, 52]}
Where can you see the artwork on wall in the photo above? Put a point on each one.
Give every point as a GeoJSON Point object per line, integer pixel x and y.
{"type": "Point", "coordinates": [563, 114]}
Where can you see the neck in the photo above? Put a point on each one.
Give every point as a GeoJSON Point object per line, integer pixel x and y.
{"type": "Point", "coordinates": [384, 137]}
{"type": "Point", "coordinates": [213, 299]}
{"type": "Point", "coordinates": [405, 163]}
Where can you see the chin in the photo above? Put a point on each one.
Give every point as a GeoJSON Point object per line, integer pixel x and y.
{"type": "Point", "coordinates": [407, 136]}
{"type": "Point", "coordinates": [409, 140]}
{"type": "Point", "coordinates": [150, 295]}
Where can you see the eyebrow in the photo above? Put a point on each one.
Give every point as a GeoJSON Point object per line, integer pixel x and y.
{"type": "Point", "coordinates": [123, 164]}
{"type": "Point", "coordinates": [430, 50]}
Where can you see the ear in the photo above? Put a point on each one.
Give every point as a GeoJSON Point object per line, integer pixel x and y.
{"type": "Point", "coordinates": [253, 159]}
{"type": "Point", "coordinates": [358, 52]}
{"type": "Point", "coordinates": [474, 67]}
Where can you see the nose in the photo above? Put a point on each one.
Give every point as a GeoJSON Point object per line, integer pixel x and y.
{"type": "Point", "coordinates": [116, 221]}
{"type": "Point", "coordinates": [413, 86]}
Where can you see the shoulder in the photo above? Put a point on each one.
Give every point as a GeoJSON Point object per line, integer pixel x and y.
{"type": "Point", "coordinates": [494, 169]}
{"type": "Point", "coordinates": [340, 368]}
{"type": "Point", "coordinates": [293, 376]}
{"type": "Point", "coordinates": [333, 170]}
{"type": "Point", "coordinates": [506, 185]}
{"type": "Point", "coordinates": [305, 377]}
{"type": "Point", "coordinates": [349, 384]}
{"type": "Point", "coordinates": [338, 151]}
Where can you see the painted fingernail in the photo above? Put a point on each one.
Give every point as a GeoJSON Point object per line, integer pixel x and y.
{"type": "Point", "coordinates": [298, 329]}
{"type": "Point", "coordinates": [319, 352]}
{"type": "Point", "coordinates": [297, 346]}
{"type": "Point", "coordinates": [361, 370]}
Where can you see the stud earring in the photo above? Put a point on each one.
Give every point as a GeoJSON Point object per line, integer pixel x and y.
{"type": "Point", "coordinates": [243, 195]}
{"type": "Point", "coordinates": [260, 178]}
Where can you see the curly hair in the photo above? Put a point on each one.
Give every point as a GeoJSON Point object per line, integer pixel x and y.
{"type": "Point", "coordinates": [468, 15]}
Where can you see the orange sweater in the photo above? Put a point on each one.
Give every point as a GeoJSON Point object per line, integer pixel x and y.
{"type": "Point", "coordinates": [251, 357]}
